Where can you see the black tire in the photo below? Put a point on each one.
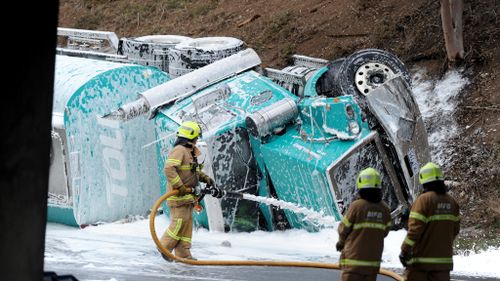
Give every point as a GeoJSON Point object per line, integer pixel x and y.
{"type": "Point", "coordinates": [378, 66]}
{"type": "Point", "coordinates": [334, 65]}
{"type": "Point", "coordinates": [353, 78]}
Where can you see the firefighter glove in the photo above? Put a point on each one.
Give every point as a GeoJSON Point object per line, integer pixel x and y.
{"type": "Point", "coordinates": [339, 246]}
{"type": "Point", "coordinates": [404, 257]}
{"type": "Point", "coordinates": [209, 181]}
{"type": "Point", "coordinates": [183, 190]}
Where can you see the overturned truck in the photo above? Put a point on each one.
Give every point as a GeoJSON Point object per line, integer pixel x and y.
{"type": "Point", "coordinates": [300, 134]}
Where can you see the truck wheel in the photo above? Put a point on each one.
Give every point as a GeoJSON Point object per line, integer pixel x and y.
{"type": "Point", "coordinates": [365, 70]}
{"type": "Point", "coordinates": [198, 52]}
{"type": "Point", "coordinates": [150, 50]}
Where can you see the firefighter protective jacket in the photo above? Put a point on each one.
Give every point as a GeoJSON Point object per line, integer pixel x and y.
{"type": "Point", "coordinates": [362, 232]}
{"type": "Point", "coordinates": [182, 168]}
{"type": "Point", "coordinates": [433, 225]}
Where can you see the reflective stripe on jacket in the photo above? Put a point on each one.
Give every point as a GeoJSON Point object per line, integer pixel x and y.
{"type": "Point", "coordinates": [362, 231]}
{"type": "Point", "coordinates": [433, 225]}
{"type": "Point", "coordinates": [182, 169]}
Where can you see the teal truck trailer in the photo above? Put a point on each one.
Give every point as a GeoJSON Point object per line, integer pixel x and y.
{"type": "Point", "coordinates": [98, 167]}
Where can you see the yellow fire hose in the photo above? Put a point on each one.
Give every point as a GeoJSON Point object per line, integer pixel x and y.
{"type": "Point", "coordinates": [152, 216]}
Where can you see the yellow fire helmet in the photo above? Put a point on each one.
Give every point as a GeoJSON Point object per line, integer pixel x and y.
{"type": "Point", "coordinates": [430, 172]}
{"type": "Point", "coordinates": [369, 178]}
{"type": "Point", "coordinates": [189, 130]}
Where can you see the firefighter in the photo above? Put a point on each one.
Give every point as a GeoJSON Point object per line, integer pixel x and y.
{"type": "Point", "coordinates": [434, 223]}
{"type": "Point", "coordinates": [362, 230]}
{"type": "Point", "coordinates": [183, 174]}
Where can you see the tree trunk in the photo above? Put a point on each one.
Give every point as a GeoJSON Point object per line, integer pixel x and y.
{"type": "Point", "coordinates": [451, 17]}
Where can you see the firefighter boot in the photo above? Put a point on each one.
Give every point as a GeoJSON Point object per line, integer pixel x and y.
{"type": "Point", "coordinates": [169, 244]}
{"type": "Point", "coordinates": [182, 250]}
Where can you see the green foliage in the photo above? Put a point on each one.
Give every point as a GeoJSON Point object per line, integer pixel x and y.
{"type": "Point", "coordinates": [279, 24]}
{"type": "Point", "coordinates": [472, 245]}
{"type": "Point", "coordinates": [287, 50]}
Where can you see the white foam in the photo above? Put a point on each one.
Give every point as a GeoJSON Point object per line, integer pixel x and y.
{"type": "Point", "coordinates": [437, 100]}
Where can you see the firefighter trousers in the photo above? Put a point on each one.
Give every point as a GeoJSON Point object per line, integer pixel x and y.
{"type": "Point", "coordinates": [419, 275]}
{"type": "Point", "coordinates": [178, 234]}
{"type": "Point", "coordinates": [354, 276]}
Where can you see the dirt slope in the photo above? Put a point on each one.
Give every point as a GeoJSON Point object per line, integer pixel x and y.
{"type": "Point", "coordinates": [334, 28]}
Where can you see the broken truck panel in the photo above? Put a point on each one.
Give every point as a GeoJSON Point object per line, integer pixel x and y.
{"type": "Point", "coordinates": [396, 110]}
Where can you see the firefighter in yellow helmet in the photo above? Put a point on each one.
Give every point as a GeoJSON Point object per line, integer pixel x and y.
{"type": "Point", "coordinates": [183, 174]}
{"type": "Point", "coordinates": [434, 223]}
{"type": "Point", "coordinates": [362, 230]}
